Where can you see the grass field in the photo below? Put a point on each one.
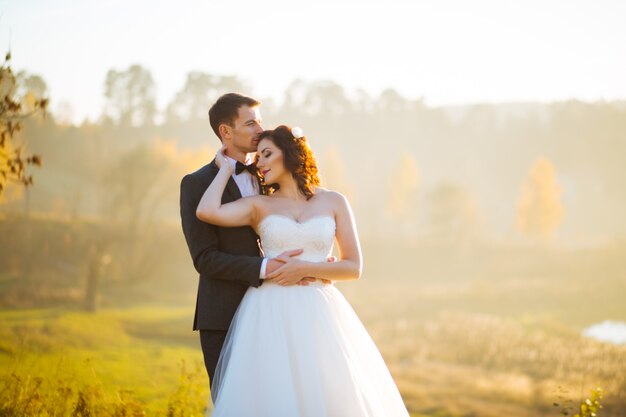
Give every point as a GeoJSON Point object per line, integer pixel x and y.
{"type": "Point", "coordinates": [508, 348]}
{"type": "Point", "coordinates": [144, 360]}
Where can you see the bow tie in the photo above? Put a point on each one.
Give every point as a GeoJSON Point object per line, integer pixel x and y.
{"type": "Point", "coordinates": [239, 168]}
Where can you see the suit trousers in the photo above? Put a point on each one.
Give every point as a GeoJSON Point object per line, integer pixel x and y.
{"type": "Point", "coordinates": [211, 342]}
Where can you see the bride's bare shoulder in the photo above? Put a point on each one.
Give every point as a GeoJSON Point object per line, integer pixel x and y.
{"type": "Point", "coordinates": [322, 193]}
{"type": "Point", "coordinates": [261, 199]}
{"type": "Point", "coordinates": [332, 196]}
{"type": "Point", "coordinates": [256, 200]}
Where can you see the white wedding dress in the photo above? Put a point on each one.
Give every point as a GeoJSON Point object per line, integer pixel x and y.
{"type": "Point", "coordinates": [301, 351]}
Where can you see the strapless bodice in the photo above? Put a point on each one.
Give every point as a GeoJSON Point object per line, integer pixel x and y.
{"type": "Point", "coordinates": [315, 236]}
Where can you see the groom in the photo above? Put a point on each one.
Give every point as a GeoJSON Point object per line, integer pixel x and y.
{"type": "Point", "coordinates": [227, 258]}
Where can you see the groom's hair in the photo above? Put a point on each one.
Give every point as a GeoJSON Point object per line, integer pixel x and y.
{"type": "Point", "coordinates": [226, 109]}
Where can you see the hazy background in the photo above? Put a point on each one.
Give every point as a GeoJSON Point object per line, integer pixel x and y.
{"type": "Point", "coordinates": [482, 145]}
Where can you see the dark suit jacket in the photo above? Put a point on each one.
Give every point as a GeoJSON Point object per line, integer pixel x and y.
{"type": "Point", "coordinates": [227, 258]}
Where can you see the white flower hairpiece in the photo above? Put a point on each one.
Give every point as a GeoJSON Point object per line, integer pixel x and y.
{"type": "Point", "coordinates": [297, 132]}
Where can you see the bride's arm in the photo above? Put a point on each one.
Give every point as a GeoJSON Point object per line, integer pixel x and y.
{"type": "Point", "coordinates": [211, 210]}
{"type": "Point", "coordinates": [349, 264]}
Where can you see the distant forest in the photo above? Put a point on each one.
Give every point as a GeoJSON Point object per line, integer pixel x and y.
{"type": "Point", "coordinates": [513, 171]}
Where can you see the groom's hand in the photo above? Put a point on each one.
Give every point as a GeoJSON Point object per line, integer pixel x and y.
{"type": "Point", "coordinates": [307, 280]}
{"type": "Point", "coordinates": [291, 272]}
{"type": "Point", "coordinates": [274, 263]}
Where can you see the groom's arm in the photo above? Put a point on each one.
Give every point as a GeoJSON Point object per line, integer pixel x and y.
{"type": "Point", "coordinates": [202, 241]}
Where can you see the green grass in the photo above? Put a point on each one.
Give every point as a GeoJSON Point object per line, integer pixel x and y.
{"type": "Point", "coordinates": [142, 361]}
{"type": "Point", "coordinates": [146, 361]}
{"type": "Point", "coordinates": [145, 356]}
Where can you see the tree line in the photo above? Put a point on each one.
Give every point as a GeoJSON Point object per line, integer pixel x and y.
{"type": "Point", "coordinates": [444, 176]}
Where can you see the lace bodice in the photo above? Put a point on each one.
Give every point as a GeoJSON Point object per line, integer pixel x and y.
{"type": "Point", "coordinates": [279, 233]}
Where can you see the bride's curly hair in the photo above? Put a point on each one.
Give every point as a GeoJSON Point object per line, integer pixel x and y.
{"type": "Point", "coordinates": [297, 158]}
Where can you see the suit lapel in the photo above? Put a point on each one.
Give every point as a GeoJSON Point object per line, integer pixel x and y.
{"type": "Point", "coordinates": [232, 189]}
{"type": "Point", "coordinates": [231, 186]}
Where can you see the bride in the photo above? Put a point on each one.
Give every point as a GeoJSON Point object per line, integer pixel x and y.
{"type": "Point", "coordinates": [296, 351]}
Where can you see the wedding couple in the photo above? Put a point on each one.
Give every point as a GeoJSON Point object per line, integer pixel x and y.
{"type": "Point", "coordinates": [279, 340]}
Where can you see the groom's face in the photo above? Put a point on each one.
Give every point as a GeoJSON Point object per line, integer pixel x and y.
{"type": "Point", "coordinates": [246, 129]}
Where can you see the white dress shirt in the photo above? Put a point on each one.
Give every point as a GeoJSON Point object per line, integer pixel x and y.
{"type": "Point", "coordinates": [248, 186]}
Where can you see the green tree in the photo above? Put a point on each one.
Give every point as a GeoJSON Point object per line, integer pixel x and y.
{"type": "Point", "coordinates": [131, 96]}
{"type": "Point", "coordinates": [199, 92]}
{"type": "Point", "coordinates": [317, 98]}
{"type": "Point", "coordinates": [453, 216]}
{"type": "Point", "coordinates": [392, 102]}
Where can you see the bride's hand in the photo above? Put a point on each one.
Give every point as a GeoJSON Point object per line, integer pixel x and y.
{"type": "Point", "coordinates": [290, 273]}
{"type": "Point", "coordinates": [220, 159]}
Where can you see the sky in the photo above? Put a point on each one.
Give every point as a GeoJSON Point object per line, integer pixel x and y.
{"type": "Point", "coordinates": [447, 52]}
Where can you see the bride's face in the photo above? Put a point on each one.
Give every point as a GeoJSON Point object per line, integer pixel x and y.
{"type": "Point", "coordinates": [270, 161]}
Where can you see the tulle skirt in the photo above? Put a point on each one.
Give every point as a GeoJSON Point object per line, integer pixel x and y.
{"type": "Point", "coordinates": [301, 352]}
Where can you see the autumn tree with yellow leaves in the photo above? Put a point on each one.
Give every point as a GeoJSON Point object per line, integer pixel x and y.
{"type": "Point", "coordinates": [333, 174]}
{"type": "Point", "coordinates": [402, 195]}
{"type": "Point", "coordinates": [403, 185]}
{"type": "Point", "coordinates": [539, 209]}
{"type": "Point", "coordinates": [14, 109]}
